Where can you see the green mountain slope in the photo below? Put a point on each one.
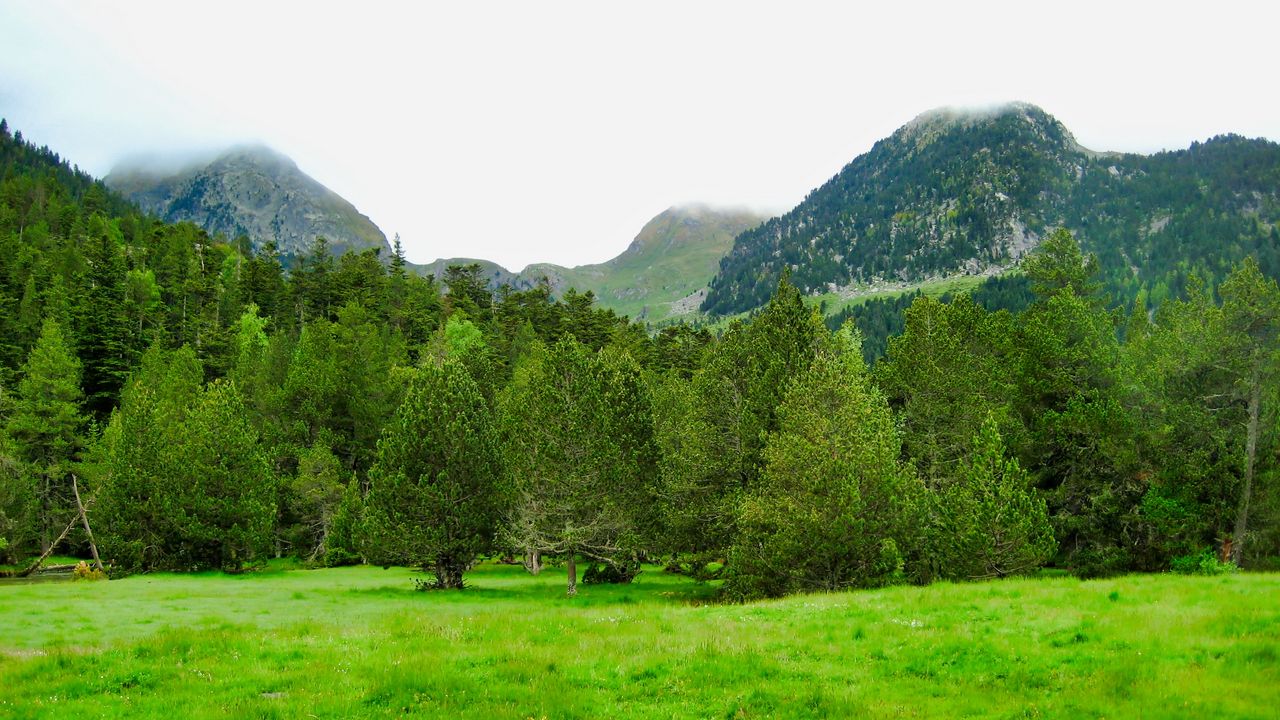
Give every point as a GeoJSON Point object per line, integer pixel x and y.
{"type": "Point", "coordinates": [662, 275]}
{"type": "Point", "coordinates": [665, 270]}
{"type": "Point", "coordinates": [968, 193]}
{"type": "Point", "coordinates": [254, 191]}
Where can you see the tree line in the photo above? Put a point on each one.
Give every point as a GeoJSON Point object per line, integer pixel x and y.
{"type": "Point", "coordinates": [221, 409]}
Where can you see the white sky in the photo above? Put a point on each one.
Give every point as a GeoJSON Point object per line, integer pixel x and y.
{"type": "Point", "coordinates": [524, 132]}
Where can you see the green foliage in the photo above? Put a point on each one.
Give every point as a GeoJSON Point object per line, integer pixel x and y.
{"type": "Point", "coordinates": [1202, 563]}
{"type": "Point", "coordinates": [620, 573]}
{"type": "Point", "coordinates": [312, 499]}
{"type": "Point", "coordinates": [579, 437]}
{"type": "Point", "coordinates": [434, 490]}
{"type": "Point", "coordinates": [1058, 266]}
{"type": "Point", "coordinates": [342, 541]}
{"type": "Point", "coordinates": [952, 367]}
{"type": "Point", "coordinates": [185, 484]}
{"type": "Point", "coordinates": [988, 522]}
{"type": "Point", "coordinates": [834, 505]}
{"type": "Point", "coordinates": [18, 507]}
{"type": "Point", "coordinates": [46, 424]}
{"type": "Point", "coordinates": [241, 403]}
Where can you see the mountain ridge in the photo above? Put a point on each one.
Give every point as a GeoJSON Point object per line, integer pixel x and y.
{"type": "Point", "coordinates": [672, 258]}
{"type": "Point", "coordinates": [964, 192]}
{"type": "Point", "coordinates": [249, 190]}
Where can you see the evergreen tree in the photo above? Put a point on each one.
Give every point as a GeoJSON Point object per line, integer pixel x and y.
{"type": "Point", "coordinates": [580, 450]}
{"type": "Point", "coordinates": [1251, 316]}
{"type": "Point", "coordinates": [835, 507]}
{"type": "Point", "coordinates": [141, 485]}
{"type": "Point", "coordinates": [988, 522]}
{"type": "Point", "coordinates": [46, 424]}
{"type": "Point", "coordinates": [434, 490]}
{"type": "Point", "coordinates": [228, 489]}
{"type": "Point", "coordinates": [342, 541]}
{"type": "Point", "coordinates": [952, 366]}
{"type": "Point", "coordinates": [738, 392]}
{"type": "Point", "coordinates": [312, 499]}
{"type": "Point", "coordinates": [19, 529]}
{"type": "Point", "coordinates": [103, 335]}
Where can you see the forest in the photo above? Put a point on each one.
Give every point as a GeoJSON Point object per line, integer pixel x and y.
{"type": "Point", "coordinates": [216, 409]}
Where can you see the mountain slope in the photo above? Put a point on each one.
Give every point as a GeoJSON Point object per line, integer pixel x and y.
{"type": "Point", "coordinates": [971, 192]}
{"type": "Point", "coordinates": [662, 274]}
{"type": "Point", "coordinates": [665, 270]}
{"type": "Point", "coordinates": [253, 191]}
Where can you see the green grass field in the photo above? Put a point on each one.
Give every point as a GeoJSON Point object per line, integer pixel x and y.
{"type": "Point", "coordinates": [360, 642]}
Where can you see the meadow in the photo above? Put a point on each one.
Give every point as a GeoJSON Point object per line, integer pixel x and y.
{"type": "Point", "coordinates": [361, 642]}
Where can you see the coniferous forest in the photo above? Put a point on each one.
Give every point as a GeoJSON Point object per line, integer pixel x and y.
{"type": "Point", "coordinates": [219, 409]}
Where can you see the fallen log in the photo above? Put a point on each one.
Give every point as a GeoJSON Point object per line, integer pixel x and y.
{"type": "Point", "coordinates": [30, 569]}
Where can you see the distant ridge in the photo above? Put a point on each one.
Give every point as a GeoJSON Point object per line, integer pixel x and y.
{"type": "Point", "coordinates": [957, 192]}
{"type": "Point", "coordinates": [250, 190]}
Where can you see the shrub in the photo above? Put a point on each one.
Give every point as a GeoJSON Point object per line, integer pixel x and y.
{"type": "Point", "coordinates": [619, 573]}
{"type": "Point", "coordinates": [82, 571]}
{"type": "Point", "coordinates": [1204, 563]}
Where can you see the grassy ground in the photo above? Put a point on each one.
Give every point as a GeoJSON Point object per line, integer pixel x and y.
{"type": "Point", "coordinates": [360, 642]}
{"type": "Point", "coordinates": [931, 288]}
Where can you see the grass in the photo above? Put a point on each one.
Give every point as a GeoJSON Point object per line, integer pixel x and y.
{"type": "Point", "coordinates": [359, 642]}
{"type": "Point", "coordinates": [51, 560]}
{"type": "Point", "coordinates": [932, 288]}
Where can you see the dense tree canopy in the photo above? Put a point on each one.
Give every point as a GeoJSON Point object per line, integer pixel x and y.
{"type": "Point", "coordinates": [221, 406]}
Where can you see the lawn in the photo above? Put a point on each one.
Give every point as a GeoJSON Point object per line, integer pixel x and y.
{"type": "Point", "coordinates": [360, 642]}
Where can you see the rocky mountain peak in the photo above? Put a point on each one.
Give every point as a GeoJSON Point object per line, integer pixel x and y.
{"type": "Point", "coordinates": [249, 190]}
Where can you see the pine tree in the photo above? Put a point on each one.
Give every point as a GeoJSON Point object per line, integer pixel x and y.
{"type": "Point", "coordinates": [142, 468]}
{"type": "Point", "coordinates": [228, 489]}
{"type": "Point", "coordinates": [103, 333]}
{"type": "Point", "coordinates": [579, 442]}
{"type": "Point", "coordinates": [434, 489]}
{"type": "Point", "coordinates": [1251, 314]}
{"type": "Point", "coordinates": [18, 501]}
{"type": "Point", "coordinates": [988, 521]}
{"type": "Point", "coordinates": [952, 366]}
{"type": "Point", "coordinates": [834, 507]}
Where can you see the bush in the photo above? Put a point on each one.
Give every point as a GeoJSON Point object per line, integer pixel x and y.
{"type": "Point", "coordinates": [1204, 563]}
{"type": "Point", "coordinates": [619, 573]}
{"type": "Point", "coordinates": [82, 571]}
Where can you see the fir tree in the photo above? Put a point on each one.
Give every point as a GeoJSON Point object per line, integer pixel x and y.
{"type": "Point", "coordinates": [46, 423]}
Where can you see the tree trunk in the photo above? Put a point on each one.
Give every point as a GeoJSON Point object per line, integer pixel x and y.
{"type": "Point", "coordinates": [1250, 456]}
{"type": "Point", "coordinates": [84, 518]}
{"type": "Point", "coordinates": [30, 569]}
{"type": "Point", "coordinates": [448, 575]}
{"type": "Point", "coordinates": [572, 566]}
{"type": "Point", "coordinates": [533, 562]}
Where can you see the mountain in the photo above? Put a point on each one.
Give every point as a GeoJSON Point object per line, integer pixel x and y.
{"type": "Point", "coordinates": [956, 193]}
{"type": "Point", "coordinates": [495, 274]}
{"type": "Point", "coordinates": [250, 190]}
{"type": "Point", "coordinates": [661, 275]}
{"type": "Point", "coordinates": [665, 270]}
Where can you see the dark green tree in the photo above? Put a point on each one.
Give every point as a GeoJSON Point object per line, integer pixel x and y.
{"type": "Point", "coordinates": [434, 490]}
{"type": "Point", "coordinates": [835, 507]}
{"type": "Point", "coordinates": [988, 522]}
{"type": "Point", "coordinates": [46, 424]}
{"type": "Point", "coordinates": [579, 443]}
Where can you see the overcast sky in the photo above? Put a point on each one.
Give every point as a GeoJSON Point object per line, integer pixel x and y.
{"type": "Point", "coordinates": [524, 132]}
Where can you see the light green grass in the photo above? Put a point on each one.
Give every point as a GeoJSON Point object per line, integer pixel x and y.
{"type": "Point", "coordinates": [931, 288]}
{"type": "Point", "coordinates": [359, 642]}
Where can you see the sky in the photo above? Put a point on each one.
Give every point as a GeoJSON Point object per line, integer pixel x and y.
{"type": "Point", "coordinates": [527, 132]}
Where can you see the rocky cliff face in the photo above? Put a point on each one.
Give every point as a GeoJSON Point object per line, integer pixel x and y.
{"type": "Point", "coordinates": [252, 191]}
